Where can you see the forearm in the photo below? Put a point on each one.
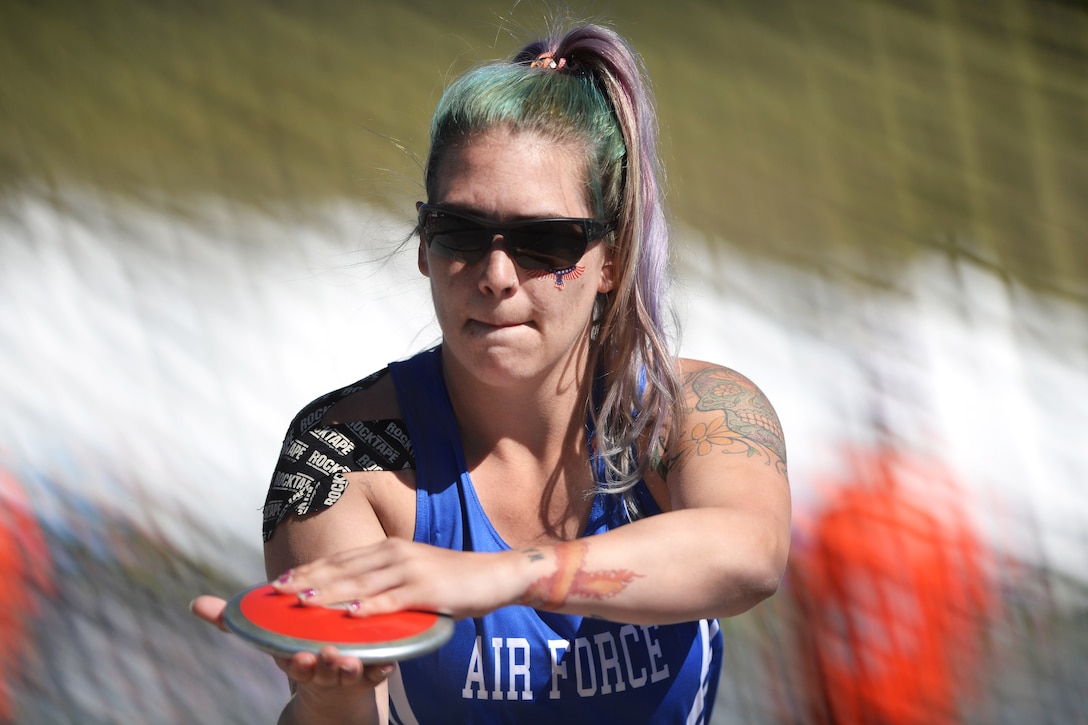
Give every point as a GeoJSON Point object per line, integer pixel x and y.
{"type": "Point", "coordinates": [679, 566]}
{"type": "Point", "coordinates": [304, 711]}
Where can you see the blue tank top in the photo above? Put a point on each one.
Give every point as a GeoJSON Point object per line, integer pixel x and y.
{"type": "Point", "coordinates": [519, 664]}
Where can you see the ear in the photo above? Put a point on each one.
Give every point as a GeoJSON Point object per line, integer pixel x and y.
{"type": "Point", "coordinates": [421, 261]}
{"type": "Point", "coordinates": [424, 268]}
{"type": "Point", "coordinates": [607, 281]}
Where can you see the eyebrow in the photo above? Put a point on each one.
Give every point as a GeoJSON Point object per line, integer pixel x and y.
{"type": "Point", "coordinates": [485, 216]}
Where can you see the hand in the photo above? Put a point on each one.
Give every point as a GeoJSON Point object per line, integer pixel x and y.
{"type": "Point", "coordinates": [396, 575]}
{"type": "Point", "coordinates": [210, 609]}
{"type": "Point", "coordinates": [325, 682]}
{"type": "Point", "coordinates": [331, 686]}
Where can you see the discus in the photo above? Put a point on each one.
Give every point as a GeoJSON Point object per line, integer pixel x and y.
{"type": "Point", "coordinates": [280, 625]}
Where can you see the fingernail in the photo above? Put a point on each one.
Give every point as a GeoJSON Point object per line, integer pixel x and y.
{"type": "Point", "coordinates": [307, 594]}
{"type": "Point", "coordinates": [285, 577]}
{"type": "Point", "coordinates": [355, 606]}
{"type": "Point", "coordinates": [386, 669]}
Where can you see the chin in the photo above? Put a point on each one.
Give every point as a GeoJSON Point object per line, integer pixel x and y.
{"type": "Point", "coordinates": [510, 359]}
{"type": "Point", "coordinates": [501, 367]}
{"type": "Point", "coordinates": [495, 365]}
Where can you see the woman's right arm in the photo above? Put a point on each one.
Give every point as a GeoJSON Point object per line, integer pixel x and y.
{"type": "Point", "coordinates": [328, 687]}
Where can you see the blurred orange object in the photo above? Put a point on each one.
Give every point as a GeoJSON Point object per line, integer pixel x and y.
{"type": "Point", "coordinates": [891, 585]}
{"type": "Point", "coordinates": [26, 569]}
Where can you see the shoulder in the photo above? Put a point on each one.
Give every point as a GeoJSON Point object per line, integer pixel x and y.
{"type": "Point", "coordinates": [354, 429]}
{"type": "Point", "coordinates": [721, 408]}
{"type": "Point", "coordinates": [372, 398]}
{"type": "Point", "coordinates": [359, 426]}
{"type": "Point", "coordinates": [711, 384]}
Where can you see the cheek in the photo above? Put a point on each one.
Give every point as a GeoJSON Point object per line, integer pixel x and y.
{"type": "Point", "coordinates": [570, 302]}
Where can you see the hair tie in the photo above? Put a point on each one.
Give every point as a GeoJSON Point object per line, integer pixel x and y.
{"type": "Point", "coordinates": [547, 61]}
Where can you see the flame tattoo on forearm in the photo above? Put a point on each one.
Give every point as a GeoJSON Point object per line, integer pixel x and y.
{"type": "Point", "coordinates": [570, 580]}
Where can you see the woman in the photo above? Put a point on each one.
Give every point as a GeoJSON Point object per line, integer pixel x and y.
{"type": "Point", "coordinates": [582, 502]}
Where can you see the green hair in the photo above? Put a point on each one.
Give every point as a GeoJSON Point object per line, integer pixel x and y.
{"type": "Point", "coordinates": [569, 108]}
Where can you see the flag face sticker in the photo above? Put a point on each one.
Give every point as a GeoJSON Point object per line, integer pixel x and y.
{"type": "Point", "coordinates": [561, 275]}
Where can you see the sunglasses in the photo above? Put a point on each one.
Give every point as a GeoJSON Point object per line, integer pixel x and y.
{"type": "Point", "coordinates": [533, 243]}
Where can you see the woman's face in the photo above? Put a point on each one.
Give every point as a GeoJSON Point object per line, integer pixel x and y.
{"type": "Point", "coordinates": [500, 323]}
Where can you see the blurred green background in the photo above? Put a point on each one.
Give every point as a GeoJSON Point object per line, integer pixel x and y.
{"type": "Point", "coordinates": [820, 132]}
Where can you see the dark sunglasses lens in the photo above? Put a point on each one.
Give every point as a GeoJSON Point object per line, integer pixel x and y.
{"type": "Point", "coordinates": [455, 238]}
{"type": "Point", "coordinates": [549, 245]}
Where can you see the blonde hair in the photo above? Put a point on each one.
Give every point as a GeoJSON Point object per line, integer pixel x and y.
{"type": "Point", "coordinates": [589, 86]}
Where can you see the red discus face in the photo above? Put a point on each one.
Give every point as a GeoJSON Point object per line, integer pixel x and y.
{"type": "Point", "coordinates": [277, 623]}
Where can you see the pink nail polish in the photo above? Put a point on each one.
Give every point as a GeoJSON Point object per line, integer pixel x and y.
{"type": "Point", "coordinates": [307, 594]}
{"type": "Point", "coordinates": [285, 577]}
{"type": "Point", "coordinates": [355, 606]}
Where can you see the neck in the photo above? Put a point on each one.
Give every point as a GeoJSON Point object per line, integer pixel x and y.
{"type": "Point", "coordinates": [541, 417]}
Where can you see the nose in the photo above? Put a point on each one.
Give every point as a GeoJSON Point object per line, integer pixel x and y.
{"type": "Point", "coordinates": [499, 275]}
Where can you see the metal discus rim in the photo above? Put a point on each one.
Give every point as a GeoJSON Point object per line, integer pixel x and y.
{"type": "Point", "coordinates": [276, 643]}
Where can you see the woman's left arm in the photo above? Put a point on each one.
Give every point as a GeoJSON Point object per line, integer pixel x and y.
{"type": "Point", "coordinates": [722, 546]}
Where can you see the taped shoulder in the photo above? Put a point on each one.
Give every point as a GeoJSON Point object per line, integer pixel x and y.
{"type": "Point", "coordinates": [315, 455]}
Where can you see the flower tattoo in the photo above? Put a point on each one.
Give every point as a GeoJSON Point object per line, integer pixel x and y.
{"type": "Point", "coordinates": [747, 424]}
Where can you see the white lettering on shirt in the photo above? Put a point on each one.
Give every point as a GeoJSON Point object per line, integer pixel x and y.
{"type": "Point", "coordinates": [581, 644]}
{"type": "Point", "coordinates": [608, 662]}
{"type": "Point", "coordinates": [654, 648]}
{"type": "Point", "coordinates": [640, 680]}
{"type": "Point", "coordinates": [516, 669]}
{"type": "Point", "coordinates": [474, 680]}
{"type": "Point", "coordinates": [559, 668]}
{"type": "Point", "coordinates": [496, 648]}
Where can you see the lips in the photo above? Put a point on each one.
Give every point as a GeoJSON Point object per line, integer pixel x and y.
{"type": "Point", "coordinates": [488, 325]}
{"type": "Point", "coordinates": [499, 324]}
